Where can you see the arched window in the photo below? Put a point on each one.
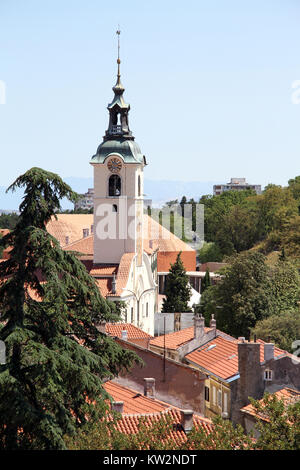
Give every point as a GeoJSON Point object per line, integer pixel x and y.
{"type": "Point", "coordinates": [114, 185]}
{"type": "Point", "coordinates": [139, 185]}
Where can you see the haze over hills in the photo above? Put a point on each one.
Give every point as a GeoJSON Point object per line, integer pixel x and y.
{"type": "Point", "coordinates": [159, 191]}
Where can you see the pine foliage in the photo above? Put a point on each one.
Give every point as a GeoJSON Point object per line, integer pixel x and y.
{"type": "Point", "coordinates": [56, 359]}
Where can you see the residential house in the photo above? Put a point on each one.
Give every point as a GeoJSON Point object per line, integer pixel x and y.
{"type": "Point", "coordinates": [135, 406]}
{"type": "Point", "coordinates": [289, 397]}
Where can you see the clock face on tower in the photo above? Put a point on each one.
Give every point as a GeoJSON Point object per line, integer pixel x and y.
{"type": "Point", "coordinates": [114, 165]}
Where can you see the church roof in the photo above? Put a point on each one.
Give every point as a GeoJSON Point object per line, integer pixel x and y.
{"type": "Point", "coordinates": [155, 236]}
{"type": "Point", "coordinates": [71, 226]}
{"type": "Point", "coordinates": [128, 150]}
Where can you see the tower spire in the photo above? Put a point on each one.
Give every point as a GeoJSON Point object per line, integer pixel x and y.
{"type": "Point", "coordinates": [118, 110]}
{"type": "Point", "coordinates": [118, 32]}
{"type": "Point", "coordinates": [118, 88]}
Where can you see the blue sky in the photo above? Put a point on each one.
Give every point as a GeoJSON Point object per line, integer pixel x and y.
{"type": "Point", "coordinates": [209, 84]}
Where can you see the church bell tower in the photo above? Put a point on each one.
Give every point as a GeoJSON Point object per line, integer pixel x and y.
{"type": "Point", "coordinates": [118, 185]}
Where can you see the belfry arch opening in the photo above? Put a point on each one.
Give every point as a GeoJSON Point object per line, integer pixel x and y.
{"type": "Point", "coordinates": [114, 185]}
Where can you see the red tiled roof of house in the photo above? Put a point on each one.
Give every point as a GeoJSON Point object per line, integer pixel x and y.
{"type": "Point", "coordinates": [134, 402]}
{"type": "Point", "coordinates": [104, 270]}
{"type": "Point", "coordinates": [104, 281]}
{"type": "Point", "coordinates": [137, 407]}
{"type": "Point", "coordinates": [176, 339]}
{"type": "Point", "coordinates": [4, 231]}
{"type": "Point", "coordinates": [7, 250]}
{"type": "Point", "coordinates": [104, 285]}
{"type": "Point", "coordinates": [288, 395]}
{"type": "Point", "coordinates": [84, 246]}
{"type": "Point", "coordinates": [133, 332]}
{"type": "Point", "coordinates": [220, 356]}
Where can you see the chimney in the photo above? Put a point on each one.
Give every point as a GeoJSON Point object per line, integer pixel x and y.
{"type": "Point", "coordinates": [149, 387]}
{"type": "Point", "coordinates": [187, 420]}
{"type": "Point", "coordinates": [250, 383]}
{"type": "Point", "coordinates": [85, 232]}
{"type": "Point", "coordinates": [101, 327]}
{"type": "Point", "coordinates": [198, 326]}
{"type": "Point", "coordinates": [268, 351]}
{"type": "Point", "coordinates": [213, 323]}
{"type": "Point", "coordinates": [67, 240]}
{"type": "Point", "coordinates": [117, 406]}
{"type": "Point", "coordinates": [124, 334]}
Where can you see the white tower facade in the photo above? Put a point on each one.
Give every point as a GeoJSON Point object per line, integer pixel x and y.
{"type": "Point", "coordinates": [118, 187]}
{"type": "Point", "coordinates": [118, 219]}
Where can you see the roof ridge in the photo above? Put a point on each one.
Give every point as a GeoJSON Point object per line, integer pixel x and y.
{"type": "Point", "coordinates": [79, 240]}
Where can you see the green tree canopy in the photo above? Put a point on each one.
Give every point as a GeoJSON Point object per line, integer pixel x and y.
{"type": "Point", "coordinates": [206, 281]}
{"type": "Point", "coordinates": [250, 291]}
{"type": "Point", "coordinates": [241, 297]}
{"type": "Point", "coordinates": [8, 220]}
{"type": "Point", "coordinates": [284, 287]}
{"type": "Point", "coordinates": [210, 252]}
{"type": "Point", "coordinates": [50, 308]}
{"type": "Point", "coordinates": [294, 185]}
{"type": "Point", "coordinates": [282, 329]}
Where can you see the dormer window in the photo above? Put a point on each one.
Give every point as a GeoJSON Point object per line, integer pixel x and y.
{"type": "Point", "coordinates": [114, 185]}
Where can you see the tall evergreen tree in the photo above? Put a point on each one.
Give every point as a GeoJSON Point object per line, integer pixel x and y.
{"type": "Point", "coordinates": [177, 289]}
{"type": "Point", "coordinates": [56, 359]}
{"type": "Point", "coordinates": [206, 281]}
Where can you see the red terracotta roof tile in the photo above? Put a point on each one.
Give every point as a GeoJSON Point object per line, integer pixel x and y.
{"type": "Point", "coordinates": [220, 356]}
{"type": "Point", "coordinates": [287, 395]}
{"type": "Point", "coordinates": [4, 231]}
{"type": "Point", "coordinates": [84, 246]}
{"type": "Point", "coordinates": [137, 407]}
{"type": "Point", "coordinates": [103, 270]}
{"type": "Point", "coordinates": [69, 225]}
{"type": "Point", "coordinates": [104, 275]}
{"type": "Point", "coordinates": [176, 339]}
{"type": "Point", "coordinates": [161, 238]}
{"type": "Point", "coordinates": [133, 332]}
{"type": "Point", "coordinates": [134, 402]}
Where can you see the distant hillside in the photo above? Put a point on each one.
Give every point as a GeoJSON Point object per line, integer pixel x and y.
{"type": "Point", "coordinates": [159, 191]}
